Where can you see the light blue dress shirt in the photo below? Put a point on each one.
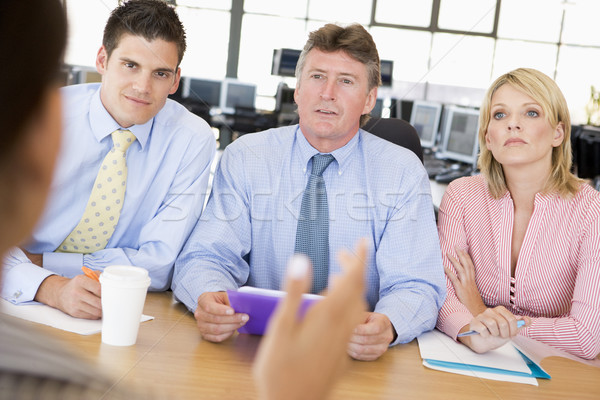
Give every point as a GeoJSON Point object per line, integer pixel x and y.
{"type": "Point", "coordinates": [375, 189]}
{"type": "Point", "coordinates": [168, 171]}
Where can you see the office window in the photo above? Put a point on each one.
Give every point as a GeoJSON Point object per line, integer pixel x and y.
{"type": "Point", "coordinates": [256, 51]}
{"type": "Point", "coordinates": [511, 54]}
{"type": "Point", "coordinates": [404, 12]}
{"type": "Point", "coordinates": [528, 34]}
{"type": "Point", "coordinates": [407, 48]}
{"type": "Point", "coordinates": [467, 15]}
{"type": "Point", "coordinates": [577, 71]}
{"type": "Point", "coordinates": [214, 4]}
{"type": "Point", "coordinates": [340, 11]}
{"type": "Point", "coordinates": [207, 33]}
{"type": "Point", "coordinates": [282, 8]}
{"type": "Point", "coordinates": [461, 60]}
{"type": "Point", "coordinates": [86, 26]}
{"type": "Point", "coordinates": [530, 20]}
{"type": "Point", "coordinates": [581, 20]}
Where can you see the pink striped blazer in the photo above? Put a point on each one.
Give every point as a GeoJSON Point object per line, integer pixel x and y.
{"type": "Point", "coordinates": [557, 277]}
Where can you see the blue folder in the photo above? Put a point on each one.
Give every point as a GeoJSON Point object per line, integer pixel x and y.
{"type": "Point", "coordinates": [536, 371]}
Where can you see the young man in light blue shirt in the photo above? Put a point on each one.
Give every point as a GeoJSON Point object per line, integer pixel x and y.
{"type": "Point", "coordinates": [168, 166]}
{"type": "Point", "coordinates": [374, 189]}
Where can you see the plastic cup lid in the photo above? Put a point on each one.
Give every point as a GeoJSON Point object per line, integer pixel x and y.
{"type": "Point", "coordinates": [125, 274]}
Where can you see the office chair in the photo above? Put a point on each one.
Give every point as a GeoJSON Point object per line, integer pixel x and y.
{"type": "Point", "coordinates": [393, 130]}
{"type": "Point", "coordinates": [399, 132]}
{"type": "Point", "coordinates": [396, 131]}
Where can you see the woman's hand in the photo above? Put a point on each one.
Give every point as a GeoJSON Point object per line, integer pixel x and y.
{"type": "Point", "coordinates": [496, 326]}
{"type": "Point", "coordinates": [464, 281]}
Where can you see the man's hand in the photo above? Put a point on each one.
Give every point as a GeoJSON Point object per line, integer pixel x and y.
{"type": "Point", "coordinates": [464, 282]}
{"type": "Point", "coordinates": [372, 338]}
{"type": "Point", "coordinates": [78, 297]}
{"type": "Point", "coordinates": [37, 259]}
{"type": "Point", "coordinates": [496, 326]}
{"type": "Point", "coordinates": [216, 320]}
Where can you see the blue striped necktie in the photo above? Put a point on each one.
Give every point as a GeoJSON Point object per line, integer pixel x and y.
{"type": "Point", "coordinates": [312, 236]}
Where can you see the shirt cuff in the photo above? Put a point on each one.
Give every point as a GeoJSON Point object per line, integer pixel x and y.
{"type": "Point", "coordinates": [406, 326]}
{"type": "Point", "coordinates": [66, 264]}
{"type": "Point", "coordinates": [22, 282]}
{"type": "Point", "coordinates": [455, 322]}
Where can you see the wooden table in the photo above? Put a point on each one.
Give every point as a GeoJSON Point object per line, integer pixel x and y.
{"type": "Point", "coordinates": [170, 355]}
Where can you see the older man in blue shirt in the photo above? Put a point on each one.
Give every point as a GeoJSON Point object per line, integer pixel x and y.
{"type": "Point", "coordinates": [374, 189]}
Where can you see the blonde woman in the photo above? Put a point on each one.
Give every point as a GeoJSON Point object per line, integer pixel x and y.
{"type": "Point", "coordinates": [521, 241]}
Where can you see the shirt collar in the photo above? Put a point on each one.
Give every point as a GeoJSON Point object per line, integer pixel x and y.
{"type": "Point", "coordinates": [103, 124]}
{"type": "Point", "coordinates": [341, 155]}
{"type": "Point", "coordinates": [540, 200]}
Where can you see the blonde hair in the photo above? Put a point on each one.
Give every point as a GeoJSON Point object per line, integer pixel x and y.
{"type": "Point", "coordinates": [546, 92]}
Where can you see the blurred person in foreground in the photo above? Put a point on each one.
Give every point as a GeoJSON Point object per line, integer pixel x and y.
{"type": "Point", "coordinates": [33, 365]}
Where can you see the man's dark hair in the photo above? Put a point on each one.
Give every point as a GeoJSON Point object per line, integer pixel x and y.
{"type": "Point", "coordinates": [27, 74]}
{"type": "Point", "coordinates": [150, 19]}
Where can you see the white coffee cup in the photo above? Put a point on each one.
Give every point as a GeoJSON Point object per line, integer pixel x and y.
{"type": "Point", "coordinates": [123, 293]}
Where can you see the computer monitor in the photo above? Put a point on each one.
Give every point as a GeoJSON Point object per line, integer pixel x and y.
{"type": "Point", "coordinates": [377, 111]}
{"type": "Point", "coordinates": [401, 109]}
{"type": "Point", "coordinates": [284, 62]}
{"type": "Point", "coordinates": [460, 141]}
{"type": "Point", "coordinates": [425, 117]}
{"type": "Point", "coordinates": [588, 152]}
{"type": "Point", "coordinates": [284, 98]}
{"type": "Point", "coordinates": [206, 91]}
{"type": "Point", "coordinates": [236, 94]}
{"type": "Point", "coordinates": [387, 70]}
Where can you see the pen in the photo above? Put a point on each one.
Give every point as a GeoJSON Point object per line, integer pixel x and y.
{"type": "Point", "coordinates": [90, 273]}
{"type": "Point", "coordinates": [520, 323]}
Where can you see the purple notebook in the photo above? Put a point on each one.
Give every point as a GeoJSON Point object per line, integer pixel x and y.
{"type": "Point", "coordinates": [259, 304]}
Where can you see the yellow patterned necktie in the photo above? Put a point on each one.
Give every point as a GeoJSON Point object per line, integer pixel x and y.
{"type": "Point", "coordinates": [103, 209]}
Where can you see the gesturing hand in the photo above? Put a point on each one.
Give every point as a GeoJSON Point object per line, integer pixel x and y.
{"type": "Point", "coordinates": [301, 359]}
